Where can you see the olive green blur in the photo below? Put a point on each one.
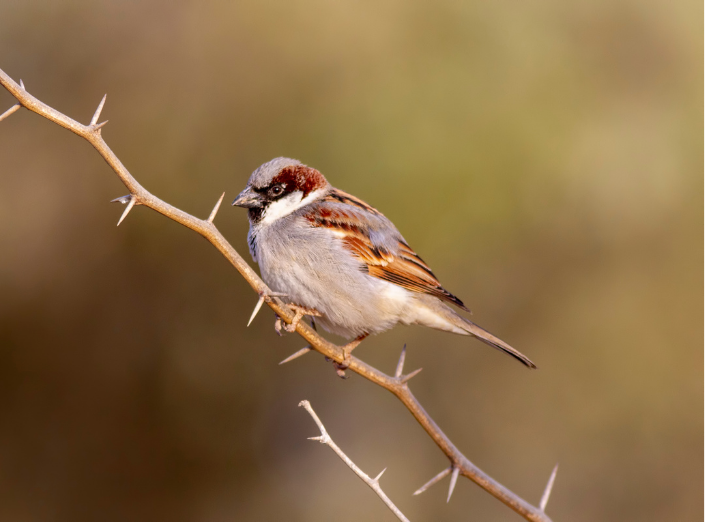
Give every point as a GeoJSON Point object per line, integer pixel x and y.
{"type": "Point", "coordinates": [545, 158]}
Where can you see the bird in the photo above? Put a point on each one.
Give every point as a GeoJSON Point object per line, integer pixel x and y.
{"type": "Point", "coordinates": [340, 260]}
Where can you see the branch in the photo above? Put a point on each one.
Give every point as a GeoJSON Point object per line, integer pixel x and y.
{"type": "Point", "coordinates": [373, 483]}
{"type": "Point", "coordinates": [397, 385]}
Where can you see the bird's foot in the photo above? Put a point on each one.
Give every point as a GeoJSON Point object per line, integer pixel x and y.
{"type": "Point", "coordinates": [347, 351]}
{"type": "Point", "coordinates": [300, 312]}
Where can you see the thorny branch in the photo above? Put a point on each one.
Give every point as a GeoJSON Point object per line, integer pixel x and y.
{"type": "Point", "coordinates": [373, 483]}
{"type": "Point", "coordinates": [397, 385]}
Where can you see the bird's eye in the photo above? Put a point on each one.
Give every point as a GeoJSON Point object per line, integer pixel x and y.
{"type": "Point", "coordinates": [276, 190]}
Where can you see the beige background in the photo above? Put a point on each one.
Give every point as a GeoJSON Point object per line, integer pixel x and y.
{"type": "Point", "coordinates": [545, 158]}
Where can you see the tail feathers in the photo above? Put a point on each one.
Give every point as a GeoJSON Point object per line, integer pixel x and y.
{"type": "Point", "coordinates": [433, 313]}
{"type": "Point", "coordinates": [493, 341]}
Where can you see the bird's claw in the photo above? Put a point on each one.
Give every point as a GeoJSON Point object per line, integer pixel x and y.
{"type": "Point", "coordinates": [341, 367]}
{"type": "Point", "coordinates": [300, 312]}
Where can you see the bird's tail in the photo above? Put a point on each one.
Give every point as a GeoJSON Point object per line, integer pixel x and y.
{"type": "Point", "coordinates": [493, 341]}
{"type": "Point", "coordinates": [433, 313]}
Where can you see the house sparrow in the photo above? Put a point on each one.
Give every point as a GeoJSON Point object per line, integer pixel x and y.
{"type": "Point", "coordinates": [339, 259]}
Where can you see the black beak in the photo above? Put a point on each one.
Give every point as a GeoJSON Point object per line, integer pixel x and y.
{"type": "Point", "coordinates": [249, 199]}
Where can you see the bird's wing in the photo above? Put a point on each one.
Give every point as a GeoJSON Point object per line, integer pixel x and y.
{"type": "Point", "coordinates": [373, 239]}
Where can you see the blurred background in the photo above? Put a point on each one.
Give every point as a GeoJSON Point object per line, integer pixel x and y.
{"type": "Point", "coordinates": [544, 157]}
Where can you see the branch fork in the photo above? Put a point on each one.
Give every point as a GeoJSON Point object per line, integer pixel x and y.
{"type": "Point", "coordinates": [454, 472]}
{"type": "Point", "coordinates": [94, 126]}
{"type": "Point", "coordinates": [402, 379]}
{"type": "Point", "coordinates": [373, 483]}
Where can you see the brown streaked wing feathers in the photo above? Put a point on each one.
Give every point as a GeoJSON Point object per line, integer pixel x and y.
{"type": "Point", "coordinates": [409, 271]}
{"type": "Point", "coordinates": [405, 269]}
{"type": "Point", "coordinates": [336, 195]}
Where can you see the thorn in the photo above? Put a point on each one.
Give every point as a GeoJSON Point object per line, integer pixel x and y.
{"type": "Point", "coordinates": [400, 365]}
{"type": "Point", "coordinates": [297, 354]}
{"type": "Point", "coordinates": [453, 479]}
{"type": "Point", "coordinates": [123, 199]}
{"type": "Point", "coordinates": [410, 375]}
{"type": "Point", "coordinates": [96, 115]}
{"type": "Point", "coordinates": [263, 296]}
{"type": "Point", "coordinates": [215, 211]}
{"type": "Point", "coordinates": [9, 111]}
{"type": "Point", "coordinates": [129, 207]}
{"type": "Point", "coordinates": [549, 487]}
{"type": "Point", "coordinates": [376, 480]}
{"type": "Point", "coordinates": [435, 479]}
{"type": "Point", "coordinates": [22, 85]}
{"type": "Point", "coordinates": [98, 126]}
{"type": "Point", "coordinates": [317, 438]}
{"type": "Point", "coordinates": [257, 308]}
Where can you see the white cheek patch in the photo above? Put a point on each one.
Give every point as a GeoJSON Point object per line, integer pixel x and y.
{"type": "Point", "coordinates": [287, 205]}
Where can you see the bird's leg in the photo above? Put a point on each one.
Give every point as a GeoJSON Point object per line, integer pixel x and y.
{"type": "Point", "coordinates": [300, 313]}
{"type": "Point", "coordinates": [347, 350]}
